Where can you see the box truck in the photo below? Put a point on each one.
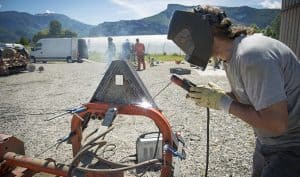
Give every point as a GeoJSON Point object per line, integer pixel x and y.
{"type": "Point", "coordinates": [59, 49]}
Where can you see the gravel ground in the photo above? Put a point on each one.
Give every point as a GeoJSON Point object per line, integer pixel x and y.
{"type": "Point", "coordinates": [27, 99]}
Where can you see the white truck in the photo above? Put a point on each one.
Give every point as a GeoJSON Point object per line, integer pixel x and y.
{"type": "Point", "coordinates": [59, 49]}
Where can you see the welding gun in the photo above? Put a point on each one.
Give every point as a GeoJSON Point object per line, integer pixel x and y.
{"type": "Point", "coordinates": [183, 83]}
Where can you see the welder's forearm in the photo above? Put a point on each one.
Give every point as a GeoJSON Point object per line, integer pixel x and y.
{"type": "Point", "coordinates": [248, 114]}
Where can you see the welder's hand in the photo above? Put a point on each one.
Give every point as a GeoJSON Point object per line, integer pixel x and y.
{"type": "Point", "coordinates": [211, 96]}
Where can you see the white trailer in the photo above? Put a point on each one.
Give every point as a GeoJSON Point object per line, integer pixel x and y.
{"type": "Point", "coordinates": [59, 49]}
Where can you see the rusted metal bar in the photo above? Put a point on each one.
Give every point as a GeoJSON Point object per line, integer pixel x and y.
{"type": "Point", "coordinates": [34, 164]}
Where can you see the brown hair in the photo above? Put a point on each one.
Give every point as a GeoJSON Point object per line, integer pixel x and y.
{"type": "Point", "coordinates": [223, 28]}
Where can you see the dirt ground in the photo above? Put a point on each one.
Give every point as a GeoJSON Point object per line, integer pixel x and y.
{"type": "Point", "coordinates": [27, 99]}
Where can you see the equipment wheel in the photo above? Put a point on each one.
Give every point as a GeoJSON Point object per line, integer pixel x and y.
{"type": "Point", "coordinates": [69, 60]}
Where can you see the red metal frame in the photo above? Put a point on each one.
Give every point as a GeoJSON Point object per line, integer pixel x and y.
{"type": "Point", "coordinates": [46, 166]}
{"type": "Point", "coordinates": [159, 119]}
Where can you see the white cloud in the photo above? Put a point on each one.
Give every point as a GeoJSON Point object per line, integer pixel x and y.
{"type": "Point", "coordinates": [271, 4]}
{"type": "Point", "coordinates": [150, 7]}
{"type": "Point", "coordinates": [135, 7]}
{"type": "Point", "coordinates": [140, 9]}
{"type": "Point", "coordinates": [49, 12]}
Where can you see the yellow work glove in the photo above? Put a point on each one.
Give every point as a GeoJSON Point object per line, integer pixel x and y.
{"type": "Point", "coordinates": [211, 96]}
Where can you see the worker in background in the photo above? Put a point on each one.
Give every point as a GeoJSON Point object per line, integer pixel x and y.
{"type": "Point", "coordinates": [111, 51]}
{"type": "Point", "coordinates": [264, 77]}
{"type": "Point", "coordinates": [126, 50]}
{"type": "Point", "coordinates": [139, 49]}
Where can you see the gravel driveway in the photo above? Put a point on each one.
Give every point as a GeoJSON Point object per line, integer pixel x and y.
{"type": "Point", "coordinates": [26, 99]}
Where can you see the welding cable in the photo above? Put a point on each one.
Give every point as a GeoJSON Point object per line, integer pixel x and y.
{"type": "Point", "coordinates": [86, 147]}
{"type": "Point", "coordinates": [80, 153]}
{"type": "Point", "coordinates": [57, 144]}
{"type": "Point", "coordinates": [162, 89]}
{"type": "Point", "coordinates": [156, 146]}
{"type": "Point", "coordinates": [90, 134]}
{"type": "Point", "coordinates": [112, 149]}
{"type": "Point", "coordinates": [207, 141]}
{"type": "Point", "coordinates": [99, 136]}
{"type": "Point", "coordinates": [108, 162]}
{"type": "Point", "coordinates": [154, 155]}
{"type": "Point", "coordinates": [101, 171]}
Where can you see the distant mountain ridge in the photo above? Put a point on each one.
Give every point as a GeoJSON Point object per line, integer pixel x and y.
{"type": "Point", "coordinates": [14, 25]}
{"type": "Point", "coordinates": [158, 24]}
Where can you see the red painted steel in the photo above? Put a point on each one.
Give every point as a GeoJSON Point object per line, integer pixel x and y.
{"type": "Point", "coordinates": [159, 119]}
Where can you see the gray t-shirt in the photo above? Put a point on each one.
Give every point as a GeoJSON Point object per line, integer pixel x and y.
{"type": "Point", "coordinates": [264, 71]}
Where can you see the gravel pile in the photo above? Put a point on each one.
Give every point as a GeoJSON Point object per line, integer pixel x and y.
{"type": "Point", "coordinates": [27, 99]}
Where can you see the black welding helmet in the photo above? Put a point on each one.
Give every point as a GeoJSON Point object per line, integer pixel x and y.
{"type": "Point", "coordinates": [191, 32]}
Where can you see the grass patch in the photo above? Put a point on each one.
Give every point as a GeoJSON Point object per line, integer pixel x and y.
{"type": "Point", "coordinates": [99, 57]}
{"type": "Point", "coordinates": [161, 57]}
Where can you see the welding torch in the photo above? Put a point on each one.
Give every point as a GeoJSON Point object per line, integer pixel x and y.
{"type": "Point", "coordinates": [183, 83]}
{"type": "Point", "coordinates": [186, 85]}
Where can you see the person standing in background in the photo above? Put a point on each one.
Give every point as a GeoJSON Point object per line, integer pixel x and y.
{"type": "Point", "coordinates": [111, 51]}
{"type": "Point", "coordinates": [139, 49]}
{"type": "Point", "coordinates": [126, 50]}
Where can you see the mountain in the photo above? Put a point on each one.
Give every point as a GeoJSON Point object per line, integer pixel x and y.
{"type": "Point", "coordinates": [158, 24]}
{"type": "Point", "coordinates": [13, 24]}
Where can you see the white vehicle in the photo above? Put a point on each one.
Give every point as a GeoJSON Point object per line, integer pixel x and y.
{"type": "Point", "coordinates": [59, 49]}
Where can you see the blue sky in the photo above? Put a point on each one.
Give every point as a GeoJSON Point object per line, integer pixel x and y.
{"type": "Point", "coordinates": [97, 11]}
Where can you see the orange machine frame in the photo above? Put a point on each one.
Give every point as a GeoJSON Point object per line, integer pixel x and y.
{"type": "Point", "coordinates": [37, 165]}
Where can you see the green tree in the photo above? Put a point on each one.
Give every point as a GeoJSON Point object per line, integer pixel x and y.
{"type": "Point", "coordinates": [275, 25]}
{"type": "Point", "coordinates": [24, 41]}
{"type": "Point", "coordinates": [273, 30]}
{"type": "Point", "coordinates": [55, 28]}
{"type": "Point", "coordinates": [41, 34]}
{"type": "Point", "coordinates": [255, 28]}
{"type": "Point", "coordinates": [68, 33]}
{"type": "Point", "coordinates": [268, 31]}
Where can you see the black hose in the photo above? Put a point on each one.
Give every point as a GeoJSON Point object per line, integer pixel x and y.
{"type": "Point", "coordinates": [86, 147]}
{"type": "Point", "coordinates": [207, 142]}
{"type": "Point", "coordinates": [88, 170]}
{"type": "Point", "coordinates": [98, 136]}
{"type": "Point", "coordinates": [80, 153]}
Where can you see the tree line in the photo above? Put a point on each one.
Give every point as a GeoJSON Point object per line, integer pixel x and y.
{"type": "Point", "coordinates": [271, 30]}
{"type": "Point", "coordinates": [53, 31]}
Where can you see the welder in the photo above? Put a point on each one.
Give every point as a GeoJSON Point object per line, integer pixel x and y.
{"type": "Point", "coordinates": [265, 85]}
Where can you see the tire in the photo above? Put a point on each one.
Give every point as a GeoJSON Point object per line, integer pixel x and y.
{"type": "Point", "coordinates": [79, 61]}
{"type": "Point", "coordinates": [33, 59]}
{"type": "Point", "coordinates": [180, 71]}
{"type": "Point", "coordinates": [69, 60]}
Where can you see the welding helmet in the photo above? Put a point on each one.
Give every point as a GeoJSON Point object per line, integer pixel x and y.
{"type": "Point", "coordinates": [192, 33]}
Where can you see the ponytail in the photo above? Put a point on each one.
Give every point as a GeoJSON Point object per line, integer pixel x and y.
{"type": "Point", "coordinates": [223, 26]}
